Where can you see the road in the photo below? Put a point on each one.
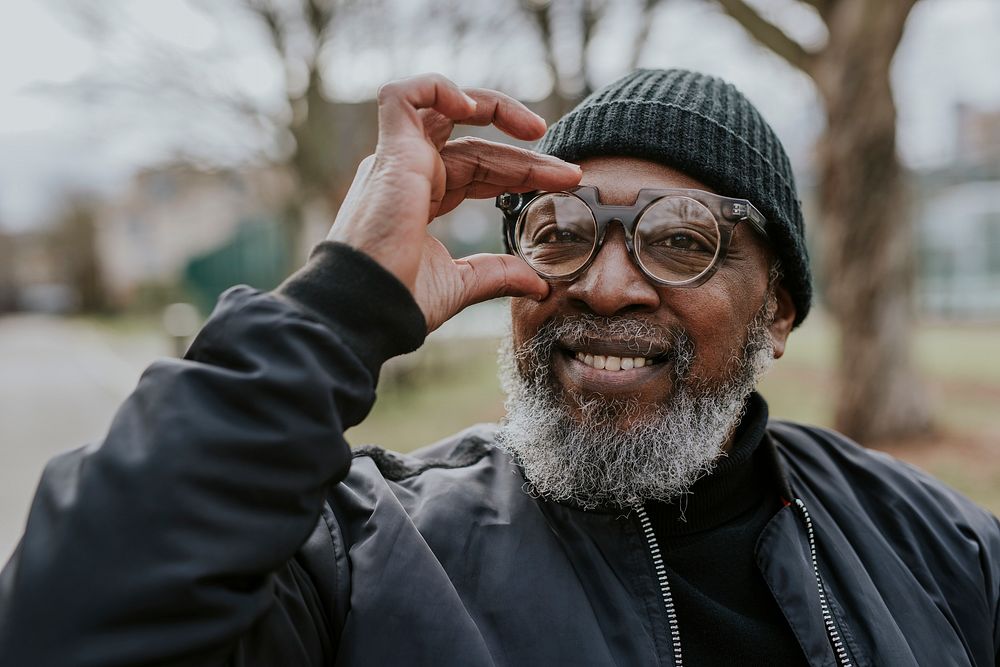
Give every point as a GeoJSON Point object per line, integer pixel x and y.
{"type": "Point", "coordinates": [60, 384]}
{"type": "Point", "coordinates": [61, 381]}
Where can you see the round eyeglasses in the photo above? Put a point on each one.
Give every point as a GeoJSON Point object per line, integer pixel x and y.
{"type": "Point", "coordinates": [676, 237]}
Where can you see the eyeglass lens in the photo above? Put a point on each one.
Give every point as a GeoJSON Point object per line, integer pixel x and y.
{"type": "Point", "coordinates": [676, 238]}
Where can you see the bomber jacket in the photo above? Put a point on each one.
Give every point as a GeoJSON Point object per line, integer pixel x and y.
{"type": "Point", "coordinates": [224, 521]}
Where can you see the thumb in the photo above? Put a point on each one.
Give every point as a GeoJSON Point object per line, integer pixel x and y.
{"type": "Point", "coordinates": [486, 276]}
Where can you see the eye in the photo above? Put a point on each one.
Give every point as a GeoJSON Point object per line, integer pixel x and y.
{"type": "Point", "coordinates": [556, 235]}
{"type": "Point", "coordinates": [561, 232]}
{"type": "Point", "coordinates": [684, 241]}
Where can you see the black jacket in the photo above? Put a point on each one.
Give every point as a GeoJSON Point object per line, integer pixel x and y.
{"type": "Point", "coordinates": [222, 522]}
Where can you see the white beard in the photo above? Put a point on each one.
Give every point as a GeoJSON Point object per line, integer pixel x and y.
{"type": "Point", "coordinates": [621, 453]}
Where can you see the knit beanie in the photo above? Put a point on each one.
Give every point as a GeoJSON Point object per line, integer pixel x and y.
{"type": "Point", "coordinates": [705, 128]}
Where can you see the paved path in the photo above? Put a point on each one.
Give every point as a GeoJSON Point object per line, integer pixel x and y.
{"type": "Point", "coordinates": [62, 380]}
{"type": "Point", "coordinates": [60, 384]}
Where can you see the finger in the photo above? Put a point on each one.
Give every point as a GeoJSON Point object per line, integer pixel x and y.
{"type": "Point", "coordinates": [488, 276]}
{"type": "Point", "coordinates": [492, 108]}
{"type": "Point", "coordinates": [506, 113]}
{"type": "Point", "coordinates": [437, 127]}
{"type": "Point", "coordinates": [469, 160]}
{"type": "Point", "coordinates": [398, 102]}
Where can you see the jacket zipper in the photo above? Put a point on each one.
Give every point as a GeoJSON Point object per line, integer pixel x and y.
{"type": "Point", "coordinates": [661, 577]}
{"type": "Point", "coordinates": [832, 633]}
{"type": "Point", "coordinates": [831, 627]}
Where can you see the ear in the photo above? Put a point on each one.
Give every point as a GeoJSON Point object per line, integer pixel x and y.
{"type": "Point", "coordinates": [784, 318]}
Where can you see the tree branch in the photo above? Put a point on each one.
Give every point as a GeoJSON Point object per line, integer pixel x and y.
{"type": "Point", "coordinates": [275, 28]}
{"type": "Point", "coordinates": [769, 34]}
{"type": "Point", "coordinates": [539, 13]}
{"type": "Point", "coordinates": [822, 7]}
{"type": "Point", "coordinates": [645, 24]}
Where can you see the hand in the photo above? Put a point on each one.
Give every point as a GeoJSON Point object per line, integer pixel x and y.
{"type": "Point", "coordinates": [416, 174]}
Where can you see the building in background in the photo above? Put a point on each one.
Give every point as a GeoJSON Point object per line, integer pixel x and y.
{"type": "Point", "coordinates": [959, 224]}
{"type": "Point", "coordinates": [977, 137]}
{"type": "Point", "coordinates": [168, 216]}
{"type": "Point", "coordinates": [180, 231]}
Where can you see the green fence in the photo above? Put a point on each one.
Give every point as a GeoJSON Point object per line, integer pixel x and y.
{"type": "Point", "coordinates": [257, 255]}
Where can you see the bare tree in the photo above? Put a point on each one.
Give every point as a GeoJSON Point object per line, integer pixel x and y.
{"type": "Point", "coordinates": [7, 284]}
{"type": "Point", "coordinates": [866, 228]}
{"type": "Point", "coordinates": [299, 33]}
{"type": "Point", "coordinates": [566, 29]}
{"type": "Point", "coordinates": [73, 243]}
{"type": "Point", "coordinates": [320, 158]}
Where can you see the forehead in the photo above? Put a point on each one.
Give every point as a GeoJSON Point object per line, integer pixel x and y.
{"type": "Point", "coordinates": [619, 179]}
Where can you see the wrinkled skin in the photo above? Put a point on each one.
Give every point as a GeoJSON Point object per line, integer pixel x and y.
{"type": "Point", "coordinates": [714, 315]}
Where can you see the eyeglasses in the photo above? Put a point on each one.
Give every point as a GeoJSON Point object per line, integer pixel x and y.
{"type": "Point", "coordinates": [676, 237]}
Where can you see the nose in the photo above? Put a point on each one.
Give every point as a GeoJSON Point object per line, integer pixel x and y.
{"type": "Point", "coordinates": [613, 284]}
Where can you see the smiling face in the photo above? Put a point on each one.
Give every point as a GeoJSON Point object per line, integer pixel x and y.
{"type": "Point", "coordinates": [620, 389]}
{"type": "Point", "coordinates": [714, 316]}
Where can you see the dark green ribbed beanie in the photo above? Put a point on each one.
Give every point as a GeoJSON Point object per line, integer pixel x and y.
{"type": "Point", "coordinates": [704, 127]}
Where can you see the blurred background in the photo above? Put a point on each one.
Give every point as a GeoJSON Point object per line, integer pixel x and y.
{"type": "Point", "coordinates": [155, 152]}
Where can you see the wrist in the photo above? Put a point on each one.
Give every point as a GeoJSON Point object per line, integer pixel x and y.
{"type": "Point", "coordinates": [360, 300]}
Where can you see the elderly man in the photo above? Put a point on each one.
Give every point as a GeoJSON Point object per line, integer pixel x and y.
{"type": "Point", "coordinates": [636, 506]}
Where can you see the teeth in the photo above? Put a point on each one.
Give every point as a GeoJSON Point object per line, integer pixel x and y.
{"type": "Point", "coordinates": [612, 363]}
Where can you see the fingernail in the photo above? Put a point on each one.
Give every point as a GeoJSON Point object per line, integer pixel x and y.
{"type": "Point", "coordinates": [575, 167]}
{"type": "Point", "coordinates": [559, 161]}
{"type": "Point", "coordinates": [471, 102]}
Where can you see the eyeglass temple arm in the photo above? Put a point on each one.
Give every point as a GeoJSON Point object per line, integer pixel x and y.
{"type": "Point", "coordinates": [741, 209]}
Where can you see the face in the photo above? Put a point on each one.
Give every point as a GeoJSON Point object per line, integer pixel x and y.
{"type": "Point", "coordinates": [621, 391]}
{"type": "Point", "coordinates": [713, 317]}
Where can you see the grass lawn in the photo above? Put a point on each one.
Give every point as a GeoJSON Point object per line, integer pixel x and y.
{"type": "Point", "coordinates": [448, 385]}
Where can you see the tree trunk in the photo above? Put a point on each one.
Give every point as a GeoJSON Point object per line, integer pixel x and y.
{"type": "Point", "coordinates": [867, 228]}
{"type": "Point", "coordinates": [7, 284]}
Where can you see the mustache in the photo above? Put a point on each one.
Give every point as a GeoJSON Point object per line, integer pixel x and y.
{"type": "Point", "coordinates": [641, 336]}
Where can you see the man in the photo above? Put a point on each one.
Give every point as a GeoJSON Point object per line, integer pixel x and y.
{"type": "Point", "coordinates": [636, 507]}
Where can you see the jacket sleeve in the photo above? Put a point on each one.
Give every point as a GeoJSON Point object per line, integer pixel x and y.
{"type": "Point", "coordinates": [173, 541]}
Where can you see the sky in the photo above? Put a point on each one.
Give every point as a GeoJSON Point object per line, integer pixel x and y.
{"type": "Point", "coordinates": [56, 140]}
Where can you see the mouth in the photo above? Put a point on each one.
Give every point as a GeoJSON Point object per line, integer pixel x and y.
{"type": "Point", "coordinates": [613, 362]}
{"type": "Point", "coordinates": [612, 368]}
{"type": "Point", "coordinates": [615, 355]}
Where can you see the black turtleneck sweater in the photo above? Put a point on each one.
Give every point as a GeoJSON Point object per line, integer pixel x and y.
{"type": "Point", "coordinates": [725, 612]}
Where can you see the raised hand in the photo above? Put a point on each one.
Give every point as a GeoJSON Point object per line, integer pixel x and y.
{"type": "Point", "coordinates": [416, 174]}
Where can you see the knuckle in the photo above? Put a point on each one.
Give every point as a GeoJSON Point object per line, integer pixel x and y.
{"type": "Point", "coordinates": [386, 91]}
{"type": "Point", "coordinates": [438, 79]}
{"type": "Point", "coordinates": [481, 171]}
{"type": "Point", "coordinates": [529, 175]}
{"type": "Point", "coordinates": [504, 287]}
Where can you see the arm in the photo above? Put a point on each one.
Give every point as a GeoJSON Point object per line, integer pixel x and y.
{"type": "Point", "coordinates": [173, 541]}
{"type": "Point", "coordinates": [162, 542]}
